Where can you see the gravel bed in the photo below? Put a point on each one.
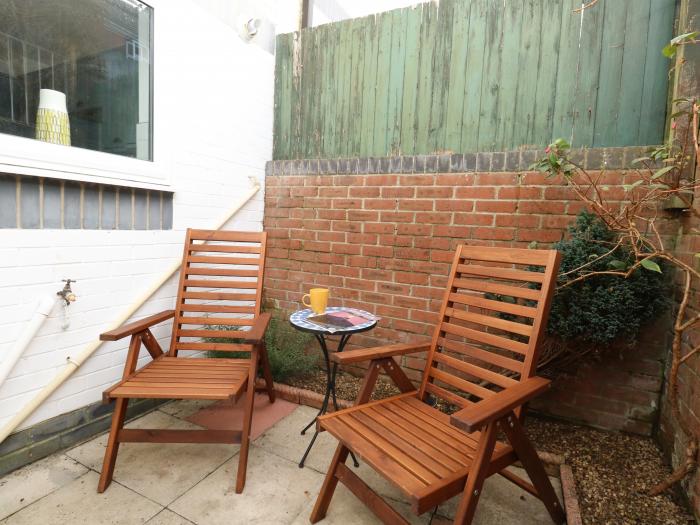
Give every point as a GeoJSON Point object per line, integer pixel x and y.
{"type": "Point", "coordinates": [612, 470]}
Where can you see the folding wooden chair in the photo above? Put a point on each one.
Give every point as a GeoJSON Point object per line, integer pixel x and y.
{"type": "Point", "coordinates": [218, 296]}
{"type": "Point", "coordinates": [482, 360]}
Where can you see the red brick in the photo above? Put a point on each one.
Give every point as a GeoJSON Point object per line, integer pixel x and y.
{"type": "Point", "coordinates": [411, 278]}
{"type": "Point", "coordinates": [518, 221]}
{"type": "Point", "coordinates": [416, 205]}
{"type": "Point", "coordinates": [462, 232]}
{"type": "Point", "coordinates": [520, 192]}
{"type": "Point", "coordinates": [417, 180]}
{"type": "Point", "coordinates": [500, 234]}
{"type": "Point", "coordinates": [347, 204]}
{"type": "Point", "coordinates": [333, 191]}
{"type": "Point", "coordinates": [332, 214]}
{"type": "Point", "coordinates": [396, 240]}
{"type": "Point", "coordinates": [363, 215]}
{"type": "Point", "coordinates": [364, 191]}
{"type": "Point", "coordinates": [377, 251]}
{"type": "Point", "coordinates": [555, 207]}
{"type": "Point", "coordinates": [496, 179]}
{"type": "Point", "coordinates": [475, 219]}
{"type": "Point", "coordinates": [497, 206]}
{"type": "Point", "coordinates": [378, 227]}
{"type": "Point", "coordinates": [454, 205]}
{"type": "Point", "coordinates": [396, 216]}
{"type": "Point", "coordinates": [380, 204]}
{"type": "Point", "coordinates": [398, 192]}
{"type": "Point", "coordinates": [360, 284]}
{"type": "Point", "coordinates": [345, 271]}
{"type": "Point", "coordinates": [452, 179]}
{"type": "Point", "coordinates": [413, 229]}
{"type": "Point", "coordinates": [362, 238]}
{"type": "Point", "coordinates": [475, 192]}
{"type": "Point", "coordinates": [377, 275]}
{"type": "Point", "coordinates": [304, 191]}
{"type": "Point", "coordinates": [440, 243]}
{"type": "Point", "coordinates": [434, 218]}
{"type": "Point", "coordinates": [433, 192]}
{"type": "Point", "coordinates": [381, 180]}
{"type": "Point", "coordinates": [347, 226]}
{"type": "Point", "coordinates": [349, 249]}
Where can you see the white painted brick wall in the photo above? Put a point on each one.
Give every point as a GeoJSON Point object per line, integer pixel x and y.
{"type": "Point", "coordinates": [212, 130]}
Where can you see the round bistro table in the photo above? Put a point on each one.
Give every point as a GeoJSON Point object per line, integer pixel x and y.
{"type": "Point", "coordinates": [299, 321]}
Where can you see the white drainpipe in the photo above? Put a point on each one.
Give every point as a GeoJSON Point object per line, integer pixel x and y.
{"type": "Point", "coordinates": [74, 362]}
{"type": "Point", "coordinates": [42, 311]}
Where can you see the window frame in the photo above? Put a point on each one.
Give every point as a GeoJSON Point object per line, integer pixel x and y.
{"type": "Point", "coordinates": [28, 156]}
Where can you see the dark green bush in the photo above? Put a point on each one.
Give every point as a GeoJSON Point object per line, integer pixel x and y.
{"type": "Point", "coordinates": [603, 308]}
{"type": "Point", "coordinates": [285, 348]}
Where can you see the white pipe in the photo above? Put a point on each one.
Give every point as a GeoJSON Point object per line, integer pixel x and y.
{"type": "Point", "coordinates": [43, 309]}
{"type": "Point", "coordinates": [73, 363]}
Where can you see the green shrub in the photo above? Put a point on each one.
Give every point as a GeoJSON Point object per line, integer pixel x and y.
{"type": "Point", "coordinates": [285, 348]}
{"type": "Point", "coordinates": [602, 308]}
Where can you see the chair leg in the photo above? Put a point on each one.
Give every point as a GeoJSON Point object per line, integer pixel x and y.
{"type": "Point", "coordinates": [534, 468]}
{"type": "Point", "coordinates": [329, 484]}
{"type": "Point", "coordinates": [476, 477]}
{"type": "Point", "coordinates": [247, 423]}
{"type": "Point", "coordinates": [267, 374]}
{"type": "Point", "coordinates": [112, 444]}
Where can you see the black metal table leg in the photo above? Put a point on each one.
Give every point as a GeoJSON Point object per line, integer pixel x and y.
{"type": "Point", "coordinates": [331, 373]}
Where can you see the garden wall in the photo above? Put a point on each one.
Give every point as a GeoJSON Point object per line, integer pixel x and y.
{"type": "Point", "coordinates": [381, 232]}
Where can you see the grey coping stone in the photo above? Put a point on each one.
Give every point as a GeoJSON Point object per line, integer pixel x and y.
{"type": "Point", "coordinates": [140, 210]}
{"type": "Point", "coordinates": [353, 165]}
{"type": "Point", "coordinates": [322, 167]}
{"type": "Point", "coordinates": [431, 164]}
{"type": "Point", "coordinates": [469, 162]}
{"type": "Point", "coordinates": [125, 208]}
{"type": "Point", "coordinates": [71, 205]}
{"type": "Point", "coordinates": [456, 163]}
{"type": "Point", "coordinates": [372, 165]}
{"type": "Point", "coordinates": [443, 163]}
{"type": "Point", "coordinates": [407, 164]}
{"type": "Point", "coordinates": [577, 156]}
{"type": "Point", "coordinates": [595, 159]}
{"type": "Point", "coordinates": [498, 161]}
{"type": "Point", "coordinates": [362, 166]}
{"type": "Point", "coordinates": [52, 204]}
{"type": "Point", "coordinates": [394, 165]}
{"type": "Point", "coordinates": [343, 166]}
{"type": "Point", "coordinates": [616, 158]}
{"type": "Point", "coordinates": [312, 167]}
{"type": "Point", "coordinates": [61, 432]}
{"type": "Point", "coordinates": [154, 210]}
{"type": "Point", "coordinates": [8, 201]}
{"type": "Point", "coordinates": [108, 219]}
{"type": "Point", "coordinates": [332, 166]}
{"type": "Point", "coordinates": [527, 159]}
{"type": "Point", "coordinates": [483, 161]}
{"type": "Point", "coordinates": [91, 207]}
{"type": "Point", "coordinates": [167, 211]}
{"type": "Point", "coordinates": [384, 164]}
{"type": "Point", "coordinates": [419, 166]}
{"type": "Point", "coordinates": [512, 161]}
{"type": "Point", "coordinates": [29, 203]}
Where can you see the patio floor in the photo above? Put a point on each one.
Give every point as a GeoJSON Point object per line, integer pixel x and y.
{"type": "Point", "coordinates": [183, 484]}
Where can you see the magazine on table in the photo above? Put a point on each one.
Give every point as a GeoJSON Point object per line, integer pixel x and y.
{"type": "Point", "coordinates": [339, 320]}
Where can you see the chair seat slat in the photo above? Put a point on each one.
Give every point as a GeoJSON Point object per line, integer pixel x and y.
{"type": "Point", "coordinates": [501, 273]}
{"type": "Point", "coordinates": [476, 371]}
{"type": "Point", "coordinates": [483, 355]}
{"type": "Point", "coordinates": [223, 321]}
{"type": "Point", "coordinates": [211, 283]}
{"type": "Point", "coordinates": [496, 306]}
{"type": "Point", "coordinates": [221, 272]}
{"type": "Point", "coordinates": [496, 288]}
{"type": "Point", "coordinates": [485, 337]}
{"type": "Point", "coordinates": [490, 321]}
{"type": "Point", "coordinates": [211, 259]}
{"type": "Point", "coordinates": [222, 248]}
{"type": "Point", "coordinates": [461, 384]}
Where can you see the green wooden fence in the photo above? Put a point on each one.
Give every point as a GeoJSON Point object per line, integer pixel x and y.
{"type": "Point", "coordinates": [474, 75]}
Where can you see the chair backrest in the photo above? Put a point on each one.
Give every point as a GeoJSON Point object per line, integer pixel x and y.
{"type": "Point", "coordinates": [220, 290]}
{"type": "Point", "coordinates": [491, 322]}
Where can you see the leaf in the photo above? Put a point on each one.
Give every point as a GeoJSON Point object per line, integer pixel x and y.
{"type": "Point", "coordinates": [640, 159]}
{"type": "Point", "coordinates": [685, 36]}
{"type": "Point", "coordinates": [617, 264]}
{"type": "Point", "coordinates": [697, 255]}
{"type": "Point", "coordinates": [661, 172]}
{"type": "Point", "coordinates": [650, 265]}
{"type": "Point", "coordinates": [669, 50]}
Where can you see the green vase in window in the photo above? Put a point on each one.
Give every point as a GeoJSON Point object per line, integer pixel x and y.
{"type": "Point", "coordinates": [52, 124]}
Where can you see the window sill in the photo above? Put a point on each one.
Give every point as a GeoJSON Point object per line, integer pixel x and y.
{"type": "Point", "coordinates": [23, 156]}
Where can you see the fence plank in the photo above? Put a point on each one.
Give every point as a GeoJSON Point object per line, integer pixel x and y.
{"type": "Point", "coordinates": [474, 75]}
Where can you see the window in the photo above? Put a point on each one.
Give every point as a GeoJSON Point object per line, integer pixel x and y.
{"type": "Point", "coordinates": [89, 58]}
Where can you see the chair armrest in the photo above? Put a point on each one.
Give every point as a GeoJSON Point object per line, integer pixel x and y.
{"type": "Point", "coordinates": [257, 331]}
{"type": "Point", "coordinates": [378, 352]}
{"type": "Point", "coordinates": [477, 415]}
{"type": "Point", "coordinates": [136, 326]}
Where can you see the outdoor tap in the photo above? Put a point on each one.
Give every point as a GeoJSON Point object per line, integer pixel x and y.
{"type": "Point", "coordinates": [66, 293]}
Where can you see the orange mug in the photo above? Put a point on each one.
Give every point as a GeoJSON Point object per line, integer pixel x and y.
{"type": "Point", "coordinates": [318, 299]}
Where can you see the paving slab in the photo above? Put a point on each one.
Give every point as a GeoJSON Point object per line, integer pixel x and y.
{"type": "Point", "coordinates": [31, 483]}
{"type": "Point", "coordinates": [168, 517]}
{"type": "Point", "coordinates": [161, 472]}
{"type": "Point", "coordinates": [78, 503]}
{"type": "Point", "coordinates": [276, 492]}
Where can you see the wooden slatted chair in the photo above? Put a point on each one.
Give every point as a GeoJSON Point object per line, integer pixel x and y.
{"type": "Point", "coordinates": [219, 296]}
{"type": "Point", "coordinates": [482, 361]}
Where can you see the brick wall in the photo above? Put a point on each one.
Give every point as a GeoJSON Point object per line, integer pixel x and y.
{"type": "Point", "coordinates": [384, 242]}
